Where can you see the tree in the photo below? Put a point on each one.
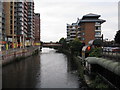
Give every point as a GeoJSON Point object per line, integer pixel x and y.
{"type": "Point", "coordinates": [63, 42]}
{"type": "Point", "coordinates": [117, 37]}
{"type": "Point", "coordinates": [97, 42]}
{"type": "Point", "coordinates": [75, 46]}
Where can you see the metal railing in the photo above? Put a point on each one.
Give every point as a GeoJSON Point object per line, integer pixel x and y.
{"type": "Point", "coordinates": [111, 55]}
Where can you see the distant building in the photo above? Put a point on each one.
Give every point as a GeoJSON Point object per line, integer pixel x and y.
{"type": "Point", "coordinates": [37, 27]}
{"type": "Point", "coordinates": [31, 23]}
{"type": "Point", "coordinates": [71, 31]}
{"type": "Point", "coordinates": [88, 28]}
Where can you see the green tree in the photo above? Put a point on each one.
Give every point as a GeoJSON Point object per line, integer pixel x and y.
{"type": "Point", "coordinates": [96, 52]}
{"type": "Point", "coordinates": [64, 43]}
{"type": "Point", "coordinates": [75, 46]}
{"type": "Point", "coordinates": [97, 42]}
{"type": "Point", "coordinates": [117, 37]}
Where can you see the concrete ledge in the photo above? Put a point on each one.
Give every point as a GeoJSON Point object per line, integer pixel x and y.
{"type": "Point", "coordinates": [106, 63]}
{"type": "Point", "coordinates": [18, 55]}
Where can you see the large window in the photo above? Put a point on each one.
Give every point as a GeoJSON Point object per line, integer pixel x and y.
{"type": "Point", "coordinates": [83, 33]}
{"type": "Point", "coordinates": [82, 38]}
{"type": "Point", "coordinates": [98, 28]}
{"type": "Point", "coordinates": [97, 33]}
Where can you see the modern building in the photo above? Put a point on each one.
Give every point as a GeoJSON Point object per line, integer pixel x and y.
{"type": "Point", "coordinates": [19, 23]}
{"type": "Point", "coordinates": [37, 28]}
{"type": "Point", "coordinates": [0, 25]}
{"type": "Point", "coordinates": [88, 28]}
{"type": "Point", "coordinates": [71, 31]}
{"type": "Point", "coordinates": [31, 23]}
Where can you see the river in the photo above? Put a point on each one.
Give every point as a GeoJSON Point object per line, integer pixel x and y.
{"type": "Point", "coordinates": [48, 69]}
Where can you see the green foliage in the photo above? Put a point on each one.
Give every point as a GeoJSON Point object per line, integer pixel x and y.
{"type": "Point", "coordinates": [75, 46]}
{"type": "Point", "coordinates": [117, 37]}
{"type": "Point", "coordinates": [96, 52]}
{"type": "Point", "coordinates": [97, 42]}
{"type": "Point", "coordinates": [64, 44]}
{"type": "Point", "coordinates": [98, 83]}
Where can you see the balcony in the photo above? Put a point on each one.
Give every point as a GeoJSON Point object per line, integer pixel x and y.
{"type": "Point", "coordinates": [97, 30]}
{"type": "Point", "coordinates": [73, 28]}
{"type": "Point", "coordinates": [74, 32]}
{"type": "Point", "coordinates": [20, 14]}
{"type": "Point", "coordinates": [78, 32]}
{"type": "Point", "coordinates": [71, 39]}
{"type": "Point", "coordinates": [98, 36]}
{"type": "Point", "coordinates": [97, 24]}
{"type": "Point", "coordinates": [73, 35]}
{"type": "Point", "coordinates": [78, 36]}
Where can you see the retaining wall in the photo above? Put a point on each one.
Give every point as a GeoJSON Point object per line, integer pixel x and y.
{"type": "Point", "coordinates": [9, 56]}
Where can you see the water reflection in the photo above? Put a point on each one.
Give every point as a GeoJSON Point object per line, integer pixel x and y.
{"type": "Point", "coordinates": [22, 74]}
{"type": "Point", "coordinates": [46, 70]}
{"type": "Point", "coordinates": [54, 71]}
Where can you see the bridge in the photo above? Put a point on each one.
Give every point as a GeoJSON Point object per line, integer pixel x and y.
{"type": "Point", "coordinates": [51, 44]}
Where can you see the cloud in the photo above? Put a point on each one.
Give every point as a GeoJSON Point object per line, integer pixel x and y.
{"type": "Point", "coordinates": [56, 13]}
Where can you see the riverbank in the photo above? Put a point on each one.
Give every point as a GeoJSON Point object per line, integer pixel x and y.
{"type": "Point", "coordinates": [47, 69]}
{"type": "Point", "coordinates": [76, 60]}
{"type": "Point", "coordinates": [13, 55]}
{"type": "Point", "coordinates": [87, 81]}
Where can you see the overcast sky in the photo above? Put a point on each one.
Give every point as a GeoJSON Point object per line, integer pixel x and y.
{"type": "Point", "coordinates": [55, 14]}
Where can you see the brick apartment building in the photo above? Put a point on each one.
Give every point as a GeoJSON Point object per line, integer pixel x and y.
{"type": "Point", "coordinates": [37, 27]}
{"type": "Point", "coordinates": [88, 28]}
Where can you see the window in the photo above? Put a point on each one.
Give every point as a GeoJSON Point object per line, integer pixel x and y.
{"type": "Point", "coordinates": [83, 39]}
{"type": "Point", "coordinates": [10, 26]}
{"type": "Point", "coordinates": [97, 23]}
{"type": "Point", "coordinates": [10, 31]}
{"type": "Point", "coordinates": [83, 33]}
{"type": "Point", "coordinates": [97, 33]}
{"type": "Point", "coordinates": [11, 21]}
{"type": "Point", "coordinates": [98, 28]}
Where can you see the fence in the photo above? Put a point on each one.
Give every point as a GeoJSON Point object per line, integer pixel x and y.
{"type": "Point", "coordinates": [111, 55]}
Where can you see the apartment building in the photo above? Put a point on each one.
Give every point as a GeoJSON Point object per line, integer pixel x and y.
{"type": "Point", "coordinates": [0, 25]}
{"type": "Point", "coordinates": [71, 31]}
{"type": "Point", "coordinates": [31, 23]}
{"type": "Point", "coordinates": [88, 28]}
{"type": "Point", "coordinates": [37, 28]}
{"type": "Point", "coordinates": [9, 21]}
{"type": "Point", "coordinates": [19, 23]}
{"type": "Point", "coordinates": [20, 27]}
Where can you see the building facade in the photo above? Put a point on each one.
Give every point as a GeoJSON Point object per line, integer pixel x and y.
{"type": "Point", "coordinates": [37, 28]}
{"type": "Point", "coordinates": [31, 23]}
{"type": "Point", "coordinates": [71, 31]}
{"type": "Point", "coordinates": [19, 23]}
{"type": "Point", "coordinates": [88, 28]}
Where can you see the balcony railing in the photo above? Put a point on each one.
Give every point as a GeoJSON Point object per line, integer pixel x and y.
{"type": "Point", "coordinates": [98, 35]}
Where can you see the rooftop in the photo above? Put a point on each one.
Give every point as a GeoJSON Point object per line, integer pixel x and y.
{"type": "Point", "coordinates": [91, 15]}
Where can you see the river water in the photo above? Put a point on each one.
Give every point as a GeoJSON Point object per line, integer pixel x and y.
{"type": "Point", "coordinates": [48, 69]}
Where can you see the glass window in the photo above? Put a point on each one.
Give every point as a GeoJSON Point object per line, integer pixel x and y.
{"type": "Point", "coordinates": [98, 28]}
{"type": "Point", "coordinates": [82, 38]}
{"type": "Point", "coordinates": [83, 33]}
{"type": "Point", "coordinates": [97, 33]}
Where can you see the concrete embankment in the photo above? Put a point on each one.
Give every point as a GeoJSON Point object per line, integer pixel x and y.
{"type": "Point", "coordinates": [90, 80]}
{"type": "Point", "coordinates": [9, 56]}
{"type": "Point", "coordinates": [77, 61]}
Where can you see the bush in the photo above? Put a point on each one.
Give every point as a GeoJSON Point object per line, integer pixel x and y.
{"type": "Point", "coordinates": [96, 52]}
{"type": "Point", "coordinates": [117, 37]}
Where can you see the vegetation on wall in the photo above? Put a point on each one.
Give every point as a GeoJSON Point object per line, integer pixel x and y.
{"type": "Point", "coordinates": [96, 52]}
{"type": "Point", "coordinates": [74, 47]}
{"type": "Point", "coordinates": [117, 37]}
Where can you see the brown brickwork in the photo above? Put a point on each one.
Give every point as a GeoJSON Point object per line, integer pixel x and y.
{"type": "Point", "coordinates": [89, 32]}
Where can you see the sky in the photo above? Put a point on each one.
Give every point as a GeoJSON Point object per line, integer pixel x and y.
{"type": "Point", "coordinates": [55, 14]}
